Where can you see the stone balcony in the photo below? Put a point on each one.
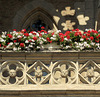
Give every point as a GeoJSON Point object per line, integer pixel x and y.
{"type": "Point", "coordinates": [50, 73]}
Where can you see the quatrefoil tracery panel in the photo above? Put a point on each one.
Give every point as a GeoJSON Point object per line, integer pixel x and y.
{"type": "Point", "coordinates": [38, 73]}
{"type": "Point", "coordinates": [64, 72]}
{"type": "Point", "coordinates": [89, 73]}
{"type": "Point", "coordinates": [12, 72]}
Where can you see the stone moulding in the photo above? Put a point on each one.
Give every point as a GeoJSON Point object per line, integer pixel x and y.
{"type": "Point", "coordinates": [62, 71]}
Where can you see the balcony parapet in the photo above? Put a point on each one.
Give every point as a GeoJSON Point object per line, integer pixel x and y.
{"type": "Point", "coordinates": [62, 71]}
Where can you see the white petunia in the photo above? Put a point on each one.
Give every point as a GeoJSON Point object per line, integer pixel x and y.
{"type": "Point", "coordinates": [26, 41]}
{"type": "Point", "coordinates": [15, 49]}
{"type": "Point", "coordinates": [81, 39]}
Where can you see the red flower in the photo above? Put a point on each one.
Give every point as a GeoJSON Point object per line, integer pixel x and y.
{"type": "Point", "coordinates": [21, 44]}
{"type": "Point", "coordinates": [88, 34]}
{"type": "Point", "coordinates": [97, 41]}
{"type": "Point", "coordinates": [43, 31]}
{"type": "Point", "coordinates": [83, 37]}
{"type": "Point", "coordinates": [52, 33]}
{"type": "Point", "coordinates": [68, 37]}
{"type": "Point", "coordinates": [76, 34]}
{"type": "Point", "coordinates": [35, 38]}
{"type": "Point", "coordinates": [19, 40]}
{"type": "Point", "coordinates": [62, 38]}
{"type": "Point", "coordinates": [26, 34]}
{"type": "Point", "coordinates": [61, 34]}
{"type": "Point", "coordinates": [14, 29]}
{"type": "Point", "coordinates": [40, 35]}
{"type": "Point", "coordinates": [0, 45]}
{"type": "Point", "coordinates": [9, 35]}
{"type": "Point", "coordinates": [91, 37]}
{"type": "Point", "coordinates": [42, 27]}
{"type": "Point", "coordinates": [4, 46]}
{"type": "Point", "coordinates": [34, 33]}
{"type": "Point", "coordinates": [94, 31]}
{"type": "Point", "coordinates": [67, 33]}
{"type": "Point", "coordinates": [48, 39]}
{"type": "Point", "coordinates": [15, 41]}
{"type": "Point", "coordinates": [89, 31]}
{"type": "Point", "coordinates": [23, 30]}
{"type": "Point", "coordinates": [84, 33]}
{"type": "Point", "coordinates": [77, 29]}
{"type": "Point", "coordinates": [87, 38]}
{"type": "Point", "coordinates": [99, 35]}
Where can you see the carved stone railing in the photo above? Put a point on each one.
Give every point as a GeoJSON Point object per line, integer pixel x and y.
{"type": "Point", "coordinates": [21, 71]}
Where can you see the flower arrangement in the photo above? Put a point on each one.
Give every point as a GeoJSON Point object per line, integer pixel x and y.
{"type": "Point", "coordinates": [33, 40]}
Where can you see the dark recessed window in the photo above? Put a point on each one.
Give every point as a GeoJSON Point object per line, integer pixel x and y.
{"type": "Point", "coordinates": [36, 26]}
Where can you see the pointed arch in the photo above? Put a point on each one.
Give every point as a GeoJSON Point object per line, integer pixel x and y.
{"type": "Point", "coordinates": [36, 14]}
{"type": "Point", "coordinates": [36, 8]}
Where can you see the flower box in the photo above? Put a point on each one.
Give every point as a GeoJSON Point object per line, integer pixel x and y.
{"type": "Point", "coordinates": [51, 46]}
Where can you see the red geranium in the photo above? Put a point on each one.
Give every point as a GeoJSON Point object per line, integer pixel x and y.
{"type": "Point", "coordinates": [83, 37]}
{"type": "Point", "coordinates": [91, 37]}
{"type": "Point", "coordinates": [21, 44]}
{"type": "Point", "coordinates": [15, 41]}
{"type": "Point", "coordinates": [23, 30]}
{"type": "Point", "coordinates": [26, 34]}
{"type": "Point", "coordinates": [62, 38]}
{"type": "Point", "coordinates": [61, 34]}
{"type": "Point", "coordinates": [42, 27]}
{"type": "Point", "coordinates": [48, 39]}
{"type": "Point", "coordinates": [19, 40]}
{"type": "Point", "coordinates": [14, 29]}
{"type": "Point", "coordinates": [68, 37]}
{"type": "Point", "coordinates": [34, 33]}
{"type": "Point", "coordinates": [35, 38]}
{"type": "Point", "coordinates": [67, 33]}
{"type": "Point", "coordinates": [9, 35]}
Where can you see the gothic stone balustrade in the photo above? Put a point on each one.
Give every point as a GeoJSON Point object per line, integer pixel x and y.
{"type": "Point", "coordinates": [50, 73]}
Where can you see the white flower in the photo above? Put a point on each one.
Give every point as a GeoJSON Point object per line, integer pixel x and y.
{"type": "Point", "coordinates": [41, 42]}
{"type": "Point", "coordinates": [3, 36]}
{"type": "Point", "coordinates": [97, 44]}
{"type": "Point", "coordinates": [11, 43]}
{"type": "Point", "coordinates": [30, 46]}
{"type": "Point", "coordinates": [38, 47]}
{"type": "Point", "coordinates": [37, 34]}
{"type": "Point", "coordinates": [81, 48]}
{"type": "Point", "coordinates": [30, 34]}
{"type": "Point", "coordinates": [26, 41]}
{"type": "Point", "coordinates": [2, 40]}
{"type": "Point", "coordinates": [19, 36]}
{"type": "Point", "coordinates": [54, 35]}
{"type": "Point", "coordinates": [67, 47]}
{"type": "Point", "coordinates": [92, 43]}
{"type": "Point", "coordinates": [66, 39]}
{"type": "Point", "coordinates": [76, 43]}
{"type": "Point", "coordinates": [15, 49]}
{"type": "Point", "coordinates": [4, 33]}
{"type": "Point", "coordinates": [16, 43]}
{"type": "Point", "coordinates": [19, 48]}
{"type": "Point", "coordinates": [81, 39]}
{"type": "Point", "coordinates": [77, 46]}
{"type": "Point", "coordinates": [32, 43]}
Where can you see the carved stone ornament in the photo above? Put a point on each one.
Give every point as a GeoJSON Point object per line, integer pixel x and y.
{"type": "Point", "coordinates": [12, 72]}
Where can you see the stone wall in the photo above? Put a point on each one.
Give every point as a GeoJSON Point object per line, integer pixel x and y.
{"type": "Point", "coordinates": [35, 74]}
{"type": "Point", "coordinates": [67, 14]}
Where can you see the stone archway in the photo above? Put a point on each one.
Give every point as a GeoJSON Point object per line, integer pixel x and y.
{"type": "Point", "coordinates": [41, 7]}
